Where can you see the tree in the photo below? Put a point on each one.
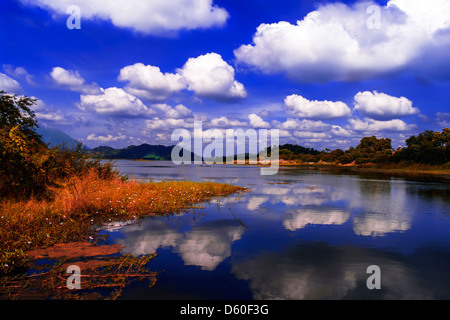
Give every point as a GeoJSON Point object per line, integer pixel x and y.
{"type": "Point", "coordinates": [442, 139]}
{"type": "Point", "coordinates": [15, 111]}
{"type": "Point", "coordinates": [27, 165]}
{"type": "Point", "coordinates": [428, 147]}
{"type": "Point", "coordinates": [373, 144]}
{"type": "Point", "coordinates": [345, 158]}
{"type": "Point", "coordinates": [371, 150]}
{"type": "Point", "coordinates": [19, 143]}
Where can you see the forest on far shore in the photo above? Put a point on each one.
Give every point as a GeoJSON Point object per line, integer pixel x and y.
{"type": "Point", "coordinates": [428, 148]}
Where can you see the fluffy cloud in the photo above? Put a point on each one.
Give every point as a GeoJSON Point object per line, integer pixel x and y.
{"type": "Point", "coordinates": [8, 84]}
{"type": "Point", "coordinates": [381, 106]}
{"type": "Point", "coordinates": [371, 125]}
{"type": "Point", "coordinates": [149, 17]}
{"type": "Point", "coordinates": [310, 135]}
{"type": "Point", "coordinates": [73, 81]}
{"type": "Point", "coordinates": [210, 76]}
{"type": "Point", "coordinates": [300, 107]}
{"type": "Point", "coordinates": [257, 122]}
{"type": "Point", "coordinates": [225, 122]}
{"type": "Point", "coordinates": [207, 75]}
{"type": "Point", "coordinates": [149, 82]}
{"type": "Point", "coordinates": [66, 77]}
{"type": "Point", "coordinates": [19, 73]}
{"type": "Point", "coordinates": [381, 114]}
{"type": "Point", "coordinates": [114, 102]}
{"type": "Point", "coordinates": [179, 111]}
{"type": "Point", "coordinates": [303, 125]}
{"type": "Point", "coordinates": [339, 42]}
{"type": "Point", "coordinates": [443, 119]}
{"type": "Point", "coordinates": [108, 138]}
{"type": "Point", "coordinates": [45, 113]}
{"type": "Point", "coordinates": [338, 131]}
{"type": "Point", "coordinates": [167, 124]}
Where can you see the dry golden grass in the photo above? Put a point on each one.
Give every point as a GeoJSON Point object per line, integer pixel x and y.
{"type": "Point", "coordinates": [82, 204]}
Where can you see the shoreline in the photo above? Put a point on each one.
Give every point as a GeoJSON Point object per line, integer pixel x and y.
{"type": "Point", "coordinates": [370, 168]}
{"type": "Point", "coordinates": [78, 209]}
{"type": "Point", "coordinates": [413, 170]}
{"type": "Point", "coordinates": [46, 236]}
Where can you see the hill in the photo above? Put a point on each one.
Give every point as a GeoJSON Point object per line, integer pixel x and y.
{"type": "Point", "coordinates": [160, 152]}
{"type": "Point", "coordinates": [143, 151]}
{"type": "Point", "coordinates": [55, 138]}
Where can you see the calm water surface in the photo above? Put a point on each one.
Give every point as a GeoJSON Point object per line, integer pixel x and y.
{"type": "Point", "coordinates": [301, 234]}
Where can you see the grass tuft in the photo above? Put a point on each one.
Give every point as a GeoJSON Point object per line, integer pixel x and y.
{"type": "Point", "coordinates": [81, 205]}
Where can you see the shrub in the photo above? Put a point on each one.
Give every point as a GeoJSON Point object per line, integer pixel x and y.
{"type": "Point", "coordinates": [27, 165]}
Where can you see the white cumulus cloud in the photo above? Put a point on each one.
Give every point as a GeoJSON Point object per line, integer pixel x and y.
{"type": "Point", "coordinates": [225, 122]}
{"type": "Point", "coordinates": [371, 125]}
{"type": "Point", "coordinates": [337, 42]}
{"type": "Point", "coordinates": [167, 124]}
{"type": "Point", "coordinates": [210, 76]}
{"type": "Point", "coordinates": [257, 122]}
{"type": "Point", "coordinates": [381, 106]}
{"type": "Point", "coordinates": [73, 81]}
{"type": "Point", "coordinates": [206, 75]}
{"type": "Point", "coordinates": [148, 82]}
{"type": "Point", "coordinates": [179, 111]}
{"type": "Point", "coordinates": [156, 17]}
{"type": "Point", "coordinates": [19, 73]}
{"type": "Point", "coordinates": [8, 84]}
{"type": "Point", "coordinates": [303, 125]}
{"type": "Point", "coordinates": [303, 108]}
{"type": "Point", "coordinates": [114, 102]}
{"type": "Point", "coordinates": [108, 138]}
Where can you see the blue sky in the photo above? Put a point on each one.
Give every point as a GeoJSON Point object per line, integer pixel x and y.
{"type": "Point", "coordinates": [325, 73]}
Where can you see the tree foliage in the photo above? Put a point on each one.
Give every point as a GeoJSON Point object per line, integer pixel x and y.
{"type": "Point", "coordinates": [429, 147]}
{"type": "Point", "coordinates": [27, 165]}
{"type": "Point", "coordinates": [16, 112]}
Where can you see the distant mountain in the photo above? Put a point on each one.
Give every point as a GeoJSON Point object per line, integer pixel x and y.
{"type": "Point", "coordinates": [55, 137]}
{"type": "Point", "coordinates": [141, 152]}
{"type": "Point", "coordinates": [152, 152]}
{"type": "Point", "coordinates": [104, 152]}
{"type": "Point", "coordinates": [145, 151]}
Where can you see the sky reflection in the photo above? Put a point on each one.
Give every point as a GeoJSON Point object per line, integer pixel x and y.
{"type": "Point", "coordinates": [303, 235]}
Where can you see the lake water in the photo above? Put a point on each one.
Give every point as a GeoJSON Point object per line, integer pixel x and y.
{"type": "Point", "coordinates": [301, 234]}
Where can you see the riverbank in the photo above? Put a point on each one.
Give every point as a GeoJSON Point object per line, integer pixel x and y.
{"type": "Point", "coordinates": [392, 169]}
{"type": "Point", "coordinates": [419, 170]}
{"type": "Point", "coordinates": [81, 207]}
